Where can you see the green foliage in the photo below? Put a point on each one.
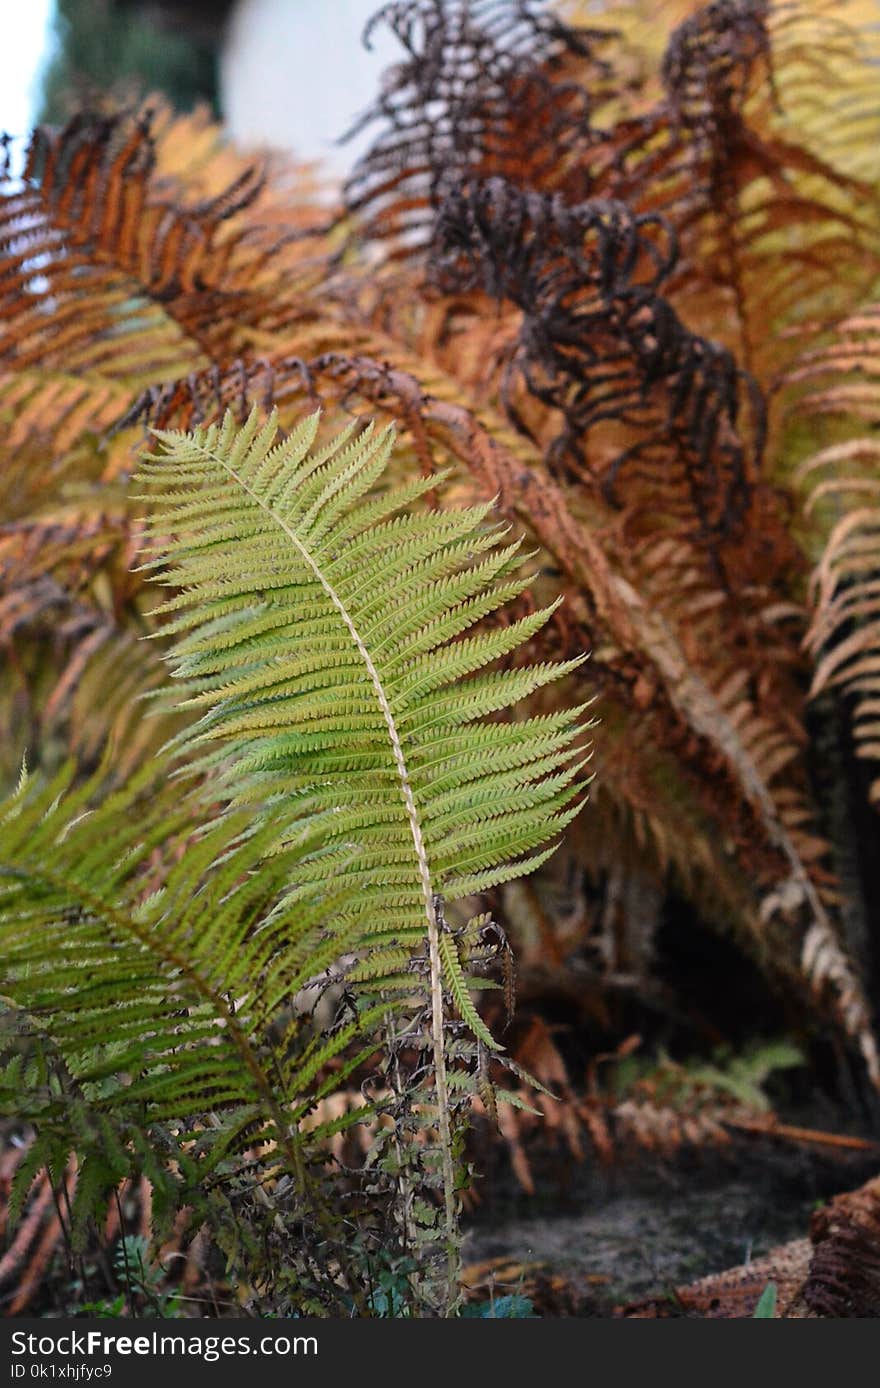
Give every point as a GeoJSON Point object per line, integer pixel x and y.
{"type": "Point", "coordinates": [350, 768]}
{"type": "Point", "coordinates": [143, 1282]}
{"type": "Point", "coordinates": [744, 1076]}
{"type": "Point", "coordinates": [766, 1307]}
{"type": "Point", "coordinates": [129, 1008]}
{"type": "Point", "coordinates": [738, 1076]}
{"type": "Point", "coordinates": [390, 1293]}
{"type": "Point", "coordinates": [502, 1308]}
{"type": "Point", "coordinates": [143, 1277]}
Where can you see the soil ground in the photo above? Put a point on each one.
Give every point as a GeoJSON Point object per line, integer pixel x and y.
{"type": "Point", "coordinates": [645, 1227]}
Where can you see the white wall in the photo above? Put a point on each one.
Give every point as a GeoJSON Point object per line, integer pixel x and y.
{"type": "Point", "coordinates": [294, 74]}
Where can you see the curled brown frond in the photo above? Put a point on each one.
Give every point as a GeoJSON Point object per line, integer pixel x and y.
{"type": "Point", "coordinates": [600, 344]}
{"type": "Point", "coordinates": [482, 89]}
{"type": "Point", "coordinates": [710, 61]}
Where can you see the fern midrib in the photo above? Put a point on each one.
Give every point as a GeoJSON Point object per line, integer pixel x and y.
{"type": "Point", "coordinates": [423, 866]}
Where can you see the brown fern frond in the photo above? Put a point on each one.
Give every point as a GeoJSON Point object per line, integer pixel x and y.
{"type": "Point", "coordinates": [599, 344]}
{"type": "Point", "coordinates": [66, 594]}
{"type": "Point", "coordinates": [657, 410]}
{"type": "Point", "coordinates": [844, 1276]}
{"type": "Point", "coordinates": [28, 1263]}
{"type": "Point", "coordinates": [666, 1109]}
{"type": "Point", "coordinates": [710, 60]}
{"type": "Point", "coordinates": [107, 270]}
{"type": "Point", "coordinates": [842, 485]}
{"type": "Point", "coordinates": [482, 90]}
{"type": "Point", "coordinates": [722, 153]}
{"type": "Point", "coordinates": [734, 1294]}
{"type": "Point", "coordinates": [830, 47]}
{"type": "Point", "coordinates": [714, 151]}
{"type": "Point", "coordinates": [43, 417]}
{"type": "Point", "coordinates": [132, 246]}
{"type": "Point", "coordinates": [40, 1236]}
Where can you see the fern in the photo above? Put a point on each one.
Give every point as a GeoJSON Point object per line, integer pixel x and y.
{"type": "Point", "coordinates": [149, 1006]}
{"type": "Point", "coordinates": [321, 637]}
{"type": "Point", "coordinates": [328, 640]}
{"type": "Point", "coordinates": [363, 775]}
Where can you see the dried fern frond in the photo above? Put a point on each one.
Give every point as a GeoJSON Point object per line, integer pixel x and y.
{"type": "Point", "coordinates": [842, 485]}
{"type": "Point", "coordinates": [709, 143]}
{"type": "Point", "coordinates": [107, 271]}
{"type": "Point", "coordinates": [447, 110]}
{"type": "Point", "coordinates": [599, 344]}
{"type": "Point", "coordinates": [770, 231]}
{"type": "Point", "coordinates": [127, 239]}
{"type": "Point", "coordinates": [844, 1275]}
{"type": "Point", "coordinates": [772, 222]}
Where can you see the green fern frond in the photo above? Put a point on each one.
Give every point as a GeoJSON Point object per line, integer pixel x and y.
{"type": "Point", "coordinates": [344, 684]}
{"type": "Point", "coordinates": [155, 1003]}
{"type": "Point", "coordinates": [341, 674]}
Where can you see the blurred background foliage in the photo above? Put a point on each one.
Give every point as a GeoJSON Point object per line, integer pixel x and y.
{"type": "Point", "coordinates": [119, 50]}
